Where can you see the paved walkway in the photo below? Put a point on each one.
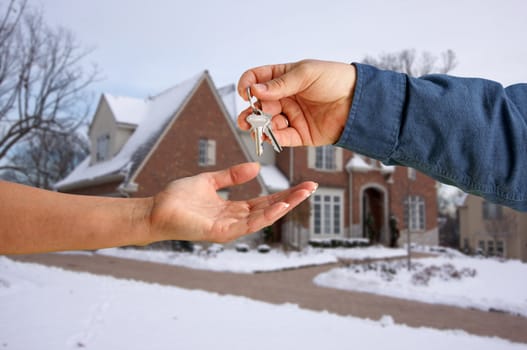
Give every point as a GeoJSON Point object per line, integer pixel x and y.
{"type": "Point", "coordinates": [295, 286]}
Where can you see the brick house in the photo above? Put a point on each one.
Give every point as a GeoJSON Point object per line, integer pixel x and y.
{"type": "Point", "coordinates": [492, 230]}
{"type": "Point", "coordinates": [357, 196]}
{"type": "Point", "coordinates": [138, 146]}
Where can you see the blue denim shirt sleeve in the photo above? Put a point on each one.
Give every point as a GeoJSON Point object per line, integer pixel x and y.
{"type": "Point", "coordinates": [467, 132]}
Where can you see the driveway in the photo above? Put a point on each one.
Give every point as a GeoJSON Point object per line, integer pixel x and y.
{"type": "Point", "coordinates": [296, 287]}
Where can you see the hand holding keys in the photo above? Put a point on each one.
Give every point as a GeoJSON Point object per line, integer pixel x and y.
{"type": "Point", "coordinates": [261, 124]}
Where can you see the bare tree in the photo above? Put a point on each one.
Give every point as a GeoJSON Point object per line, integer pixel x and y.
{"type": "Point", "coordinates": [43, 80]}
{"type": "Point", "coordinates": [407, 61]}
{"type": "Point", "coordinates": [46, 158]}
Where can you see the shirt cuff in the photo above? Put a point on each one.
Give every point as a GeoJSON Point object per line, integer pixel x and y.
{"type": "Point", "coordinates": [374, 121]}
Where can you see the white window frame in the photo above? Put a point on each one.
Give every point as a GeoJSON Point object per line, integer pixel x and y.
{"type": "Point", "coordinates": [329, 158]}
{"type": "Point", "coordinates": [207, 152]}
{"type": "Point", "coordinates": [415, 210]}
{"type": "Point", "coordinates": [102, 148]}
{"type": "Point", "coordinates": [326, 221]}
{"type": "Point", "coordinates": [412, 174]}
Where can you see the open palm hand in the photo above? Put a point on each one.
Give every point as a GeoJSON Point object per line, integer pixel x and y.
{"type": "Point", "coordinates": [191, 209]}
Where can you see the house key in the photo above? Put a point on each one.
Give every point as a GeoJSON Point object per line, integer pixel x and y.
{"type": "Point", "coordinates": [261, 124]}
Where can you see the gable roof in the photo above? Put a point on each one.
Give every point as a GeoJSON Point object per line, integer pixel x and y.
{"type": "Point", "coordinates": [153, 117]}
{"type": "Point", "coordinates": [159, 109]}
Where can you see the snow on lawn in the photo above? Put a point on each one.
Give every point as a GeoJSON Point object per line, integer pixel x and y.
{"type": "Point", "coordinates": [49, 308]}
{"type": "Point", "coordinates": [253, 261]}
{"type": "Point", "coordinates": [460, 281]}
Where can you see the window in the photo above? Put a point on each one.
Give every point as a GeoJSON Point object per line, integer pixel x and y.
{"type": "Point", "coordinates": [103, 147]}
{"type": "Point", "coordinates": [414, 213]}
{"type": "Point", "coordinates": [412, 175]}
{"type": "Point", "coordinates": [481, 247]}
{"type": "Point", "coordinates": [327, 212]}
{"type": "Point", "coordinates": [490, 248]}
{"type": "Point", "coordinates": [500, 248]}
{"type": "Point", "coordinates": [466, 246]}
{"type": "Point", "coordinates": [492, 211]}
{"type": "Point", "coordinates": [207, 152]}
{"type": "Point", "coordinates": [325, 158]}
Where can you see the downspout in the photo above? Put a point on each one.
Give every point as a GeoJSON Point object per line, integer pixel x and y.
{"type": "Point", "coordinates": [290, 224]}
{"type": "Point", "coordinates": [291, 165]}
{"type": "Point", "coordinates": [350, 190]}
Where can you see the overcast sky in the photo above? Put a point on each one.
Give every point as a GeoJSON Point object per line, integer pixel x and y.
{"type": "Point", "coordinates": [144, 47]}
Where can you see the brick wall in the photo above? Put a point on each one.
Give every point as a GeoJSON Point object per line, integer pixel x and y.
{"type": "Point", "coordinates": [177, 154]}
{"type": "Point", "coordinates": [423, 186]}
{"type": "Point", "coordinates": [336, 179]}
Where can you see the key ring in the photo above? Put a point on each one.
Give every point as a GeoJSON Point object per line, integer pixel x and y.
{"type": "Point", "coordinates": [250, 97]}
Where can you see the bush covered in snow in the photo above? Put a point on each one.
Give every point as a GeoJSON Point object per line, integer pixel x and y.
{"type": "Point", "coordinates": [421, 275]}
{"type": "Point", "coordinates": [338, 242]}
{"type": "Point", "coordinates": [242, 248]}
{"type": "Point", "coordinates": [263, 248]}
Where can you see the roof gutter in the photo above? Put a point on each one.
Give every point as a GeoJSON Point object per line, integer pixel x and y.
{"type": "Point", "coordinates": [90, 182]}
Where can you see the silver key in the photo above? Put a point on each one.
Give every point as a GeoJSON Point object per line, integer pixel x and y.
{"type": "Point", "coordinates": [261, 124]}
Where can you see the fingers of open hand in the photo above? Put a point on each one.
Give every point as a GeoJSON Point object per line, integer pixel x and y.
{"type": "Point", "coordinates": [267, 215]}
{"type": "Point", "coordinates": [291, 195]}
{"type": "Point", "coordinates": [264, 211]}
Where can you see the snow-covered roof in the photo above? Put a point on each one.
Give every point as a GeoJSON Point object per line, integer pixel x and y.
{"type": "Point", "coordinates": [273, 178]}
{"type": "Point", "coordinates": [160, 110]}
{"type": "Point", "coordinates": [387, 169]}
{"type": "Point", "coordinates": [228, 97]}
{"type": "Point", "coordinates": [127, 110]}
{"type": "Point", "coordinates": [357, 163]}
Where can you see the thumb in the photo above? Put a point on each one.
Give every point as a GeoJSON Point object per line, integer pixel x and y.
{"type": "Point", "coordinates": [235, 175]}
{"type": "Point", "coordinates": [285, 85]}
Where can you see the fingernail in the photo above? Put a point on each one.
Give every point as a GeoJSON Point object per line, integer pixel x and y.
{"type": "Point", "coordinates": [315, 189]}
{"type": "Point", "coordinates": [260, 87]}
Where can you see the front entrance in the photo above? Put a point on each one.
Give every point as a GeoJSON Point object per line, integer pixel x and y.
{"type": "Point", "coordinates": [374, 220]}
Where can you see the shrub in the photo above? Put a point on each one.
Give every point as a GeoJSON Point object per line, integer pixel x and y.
{"type": "Point", "coordinates": [241, 248]}
{"type": "Point", "coordinates": [263, 248]}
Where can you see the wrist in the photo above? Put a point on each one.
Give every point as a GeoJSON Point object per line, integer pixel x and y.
{"type": "Point", "coordinates": [141, 223]}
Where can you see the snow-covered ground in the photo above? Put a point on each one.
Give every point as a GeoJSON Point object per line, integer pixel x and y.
{"type": "Point", "coordinates": [494, 285]}
{"type": "Point", "coordinates": [457, 280]}
{"type": "Point", "coordinates": [49, 308]}
{"type": "Point", "coordinates": [252, 261]}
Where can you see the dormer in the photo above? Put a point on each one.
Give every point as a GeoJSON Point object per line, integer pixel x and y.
{"type": "Point", "coordinates": [115, 120]}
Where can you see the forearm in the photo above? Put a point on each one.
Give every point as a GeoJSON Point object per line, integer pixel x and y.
{"type": "Point", "coordinates": [466, 132]}
{"type": "Point", "coordinates": [34, 220]}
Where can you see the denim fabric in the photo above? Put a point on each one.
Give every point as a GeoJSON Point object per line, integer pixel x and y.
{"type": "Point", "coordinates": [467, 132]}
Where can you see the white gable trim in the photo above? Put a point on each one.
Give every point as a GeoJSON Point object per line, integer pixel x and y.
{"type": "Point", "coordinates": [97, 113]}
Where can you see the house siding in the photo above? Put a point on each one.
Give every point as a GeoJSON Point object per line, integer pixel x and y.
{"type": "Point", "coordinates": [473, 228]}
